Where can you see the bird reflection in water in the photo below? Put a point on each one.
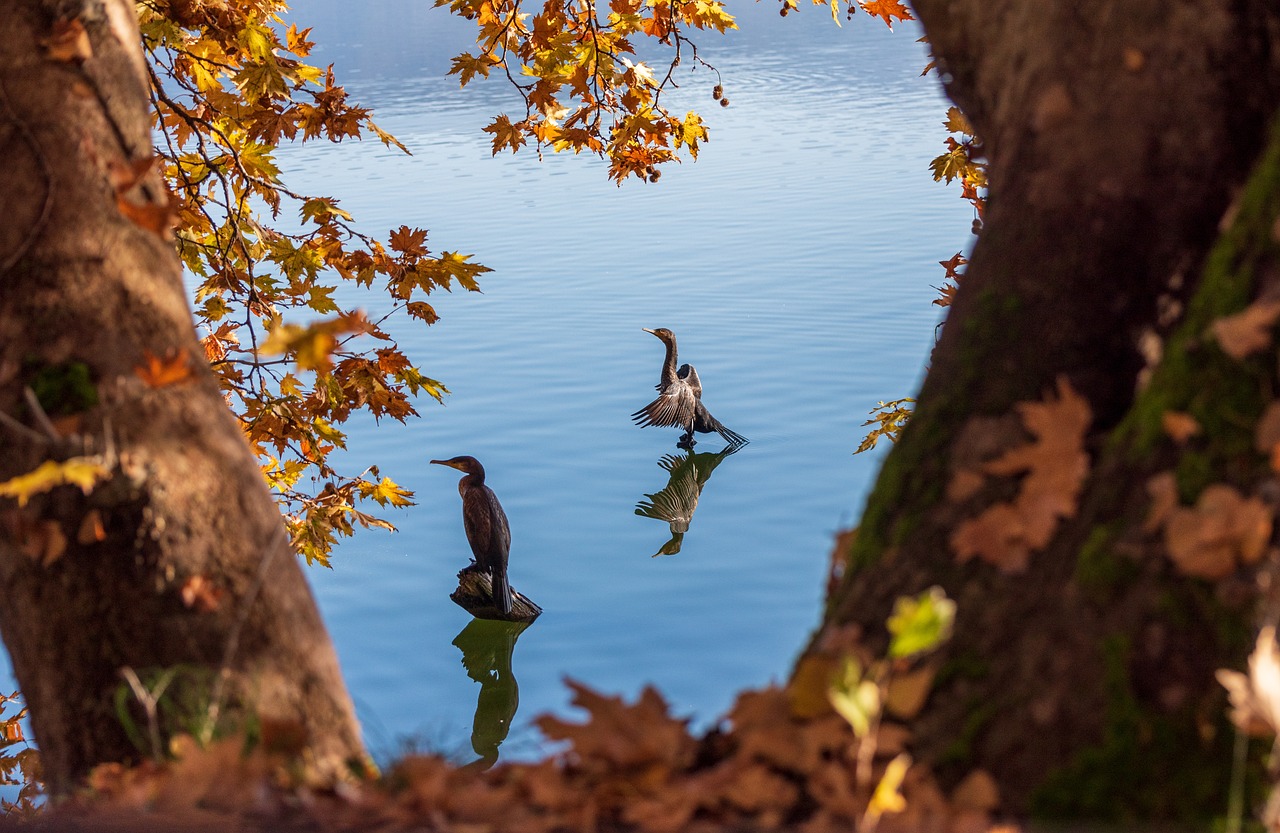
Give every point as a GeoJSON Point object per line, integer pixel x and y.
{"type": "Point", "coordinates": [487, 646]}
{"type": "Point", "coordinates": [689, 472]}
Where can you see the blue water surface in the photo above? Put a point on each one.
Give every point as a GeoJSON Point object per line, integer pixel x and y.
{"type": "Point", "coordinates": [794, 260]}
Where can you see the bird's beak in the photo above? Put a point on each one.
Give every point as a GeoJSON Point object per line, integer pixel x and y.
{"type": "Point", "coordinates": [448, 463]}
{"type": "Point", "coordinates": [649, 331]}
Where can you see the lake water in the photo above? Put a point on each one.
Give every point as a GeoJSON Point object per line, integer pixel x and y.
{"type": "Point", "coordinates": [794, 261]}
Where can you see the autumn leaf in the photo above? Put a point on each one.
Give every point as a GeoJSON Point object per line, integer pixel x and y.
{"type": "Point", "coordinates": [956, 122]}
{"type": "Point", "coordinates": [505, 134]}
{"type": "Point", "coordinates": [887, 10]}
{"type": "Point", "coordinates": [886, 798]}
{"type": "Point", "coordinates": [1222, 531]}
{"type": "Point", "coordinates": [622, 736]}
{"type": "Point", "coordinates": [855, 698]}
{"type": "Point", "coordinates": [920, 623]}
{"type": "Point", "coordinates": [1246, 332]}
{"type": "Point", "coordinates": [1179, 426]}
{"type": "Point", "coordinates": [83, 472]}
{"type": "Point", "coordinates": [312, 345]}
{"type": "Point", "coordinates": [386, 493]}
{"type": "Point", "coordinates": [159, 373]}
{"type": "Point", "coordinates": [1055, 465]}
{"type": "Point", "coordinates": [201, 594]}
{"type": "Point", "coordinates": [68, 42]}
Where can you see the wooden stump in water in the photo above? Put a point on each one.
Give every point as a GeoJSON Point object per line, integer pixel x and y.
{"type": "Point", "coordinates": [475, 596]}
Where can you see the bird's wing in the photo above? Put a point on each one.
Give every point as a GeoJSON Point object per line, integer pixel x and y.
{"type": "Point", "coordinates": [486, 525]}
{"type": "Point", "coordinates": [689, 374]}
{"type": "Point", "coordinates": [676, 405]}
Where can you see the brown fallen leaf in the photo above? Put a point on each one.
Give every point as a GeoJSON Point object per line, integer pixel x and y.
{"type": "Point", "coordinates": [1055, 466]}
{"type": "Point", "coordinates": [1247, 331]}
{"type": "Point", "coordinates": [1222, 531]}
{"type": "Point", "coordinates": [1179, 426]}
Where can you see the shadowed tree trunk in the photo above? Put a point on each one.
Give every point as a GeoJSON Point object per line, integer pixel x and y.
{"type": "Point", "coordinates": [1118, 135]}
{"type": "Point", "coordinates": [171, 577]}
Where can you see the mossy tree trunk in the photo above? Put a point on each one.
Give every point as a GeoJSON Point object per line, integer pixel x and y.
{"type": "Point", "coordinates": [175, 566]}
{"type": "Point", "coordinates": [1118, 135]}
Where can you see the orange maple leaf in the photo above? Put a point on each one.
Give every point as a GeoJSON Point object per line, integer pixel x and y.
{"type": "Point", "coordinates": [888, 10]}
{"type": "Point", "coordinates": [158, 372]}
{"type": "Point", "coordinates": [1055, 465]}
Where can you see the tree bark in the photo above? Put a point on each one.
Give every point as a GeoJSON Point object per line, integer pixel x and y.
{"type": "Point", "coordinates": [1117, 137]}
{"type": "Point", "coordinates": [176, 566]}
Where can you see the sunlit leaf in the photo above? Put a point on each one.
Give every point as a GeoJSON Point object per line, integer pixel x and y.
{"type": "Point", "coordinates": [920, 623]}
{"type": "Point", "coordinates": [83, 472]}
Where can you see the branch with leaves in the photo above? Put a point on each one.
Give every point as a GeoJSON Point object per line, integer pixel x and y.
{"type": "Point", "coordinates": [229, 84]}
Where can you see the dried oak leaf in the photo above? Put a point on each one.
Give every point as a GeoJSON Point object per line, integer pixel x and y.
{"type": "Point", "coordinates": [619, 736]}
{"type": "Point", "coordinates": [1179, 426]}
{"type": "Point", "coordinates": [1223, 530]}
{"type": "Point", "coordinates": [1247, 331]}
{"type": "Point", "coordinates": [1055, 465]}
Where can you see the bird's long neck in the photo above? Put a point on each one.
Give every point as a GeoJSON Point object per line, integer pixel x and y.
{"type": "Point", "coordinates": [669, 363]}
{"type": "Point", "coordinates": [471, 480]}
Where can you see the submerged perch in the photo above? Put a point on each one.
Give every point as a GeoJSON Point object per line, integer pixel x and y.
{"type": "Point", "coordinates": [475, 596]}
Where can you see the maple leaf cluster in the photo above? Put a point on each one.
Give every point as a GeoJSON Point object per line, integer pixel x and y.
{"type": "Point", "coordinates": [229, 84]}
{"type": "Point", "coordinates": [569, 62]}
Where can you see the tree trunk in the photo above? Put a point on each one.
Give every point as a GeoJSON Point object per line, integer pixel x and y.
{"type": "Point", "coordinates": [1117, 137]}
{"type": "Point", "coordinates": [171, 579]}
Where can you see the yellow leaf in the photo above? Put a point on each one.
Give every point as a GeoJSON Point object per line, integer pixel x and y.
{"type": "Point", "coordinates": [84, 472]}
{"type": "Point", "coordinates": [886, 798]}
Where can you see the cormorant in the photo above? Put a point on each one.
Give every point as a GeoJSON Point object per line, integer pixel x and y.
{"type": "Point", "coordinates": [679, 399]}
{"type": "Point", "coordinates": [486, 526]}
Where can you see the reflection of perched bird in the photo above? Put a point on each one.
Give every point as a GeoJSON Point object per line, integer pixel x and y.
{"type": "Point", "coordinates": [487, 647]}
{"type": "Point", "coordinates": [679, 399]}
{"type": "Point", "coordinates": [486, 526]}
{"type": "Point", "coordinates": [679, 498]}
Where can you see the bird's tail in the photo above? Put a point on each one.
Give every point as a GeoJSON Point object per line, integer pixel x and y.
{"type": "Point", "coordinates": [501, 591]}
{"type": "Point", "coordinates": [706, 422]}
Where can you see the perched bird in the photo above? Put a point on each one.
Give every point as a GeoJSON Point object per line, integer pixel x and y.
{"type": "Point", "coordinates": [679, 399]}
{"type": "Point", "coordinates": [486, 526]}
